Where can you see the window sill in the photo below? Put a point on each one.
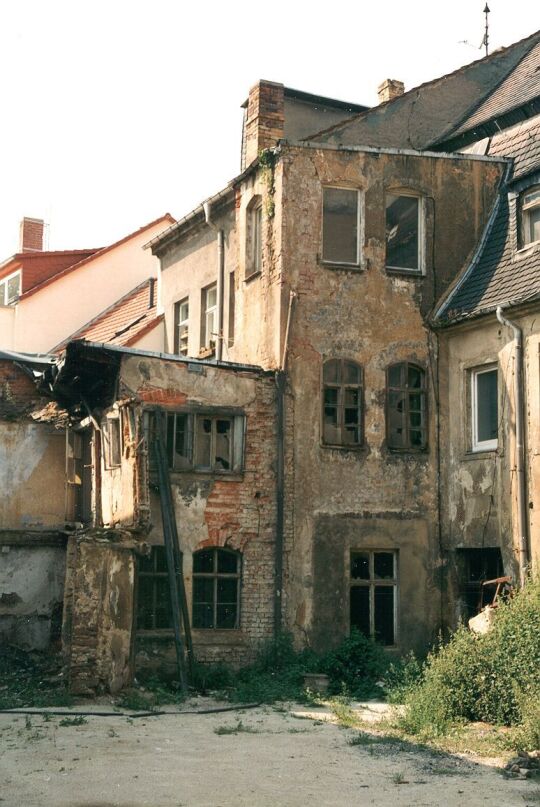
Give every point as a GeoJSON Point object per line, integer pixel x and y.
{"type": "Point", "coordinates": [481, 454]}
{"type": "Point", "coordinates": [355, 449]}
{"type": "Point", "coordinates": [229, 476]}
{"type": "Point", "coordinates": [405, 452]}
{"type": "Point", "coordinates": [344, 267]}
{"type": "Point", "coordinates": [252, 276]}
{"type": "Point", "coordinates": [396, 270]}
{"type": "Point", "coordinates": [528, 249]}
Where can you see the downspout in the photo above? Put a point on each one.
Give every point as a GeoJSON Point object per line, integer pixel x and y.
{"type": "Point", "coordinates": [281, 378]}
{"type": "Point", "coordinates": [220, 278]}
{"type": "Point", "coordinates": [520, 446]}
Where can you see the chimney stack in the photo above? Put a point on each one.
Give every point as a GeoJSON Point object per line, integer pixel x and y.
{"type": "Point", "coordinates": [31, 235]}
{"type": "Point", "coordinates": [390, 88]}
{"type": "Point", "coordinates": [264, 120]}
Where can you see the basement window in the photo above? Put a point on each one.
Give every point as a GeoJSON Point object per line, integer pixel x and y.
{"type": "Point", "coordinates": [530, 216]}
{"type": "Point", "coordinates": [403, 233]}
{"type": "Point", "coordinates": [211, 442]}
{"type": "Point", "coordinates": [373, 594]}
{"type": "Point", "coordinates": [216, 589]}
{"type": "Point", "coordinates": [406, 422]}
{"type": "Point", "coordinates": [111, 433]}
{"type": "Point", "coordinates": [342, 403]}
{"type": "Point", "coordinates": [181, 327]}
{"type": "Point", "coordinates": [10, 289]}
{"type": "Point", "coordinates": [153, 595]}
{"type": "Point", "coordinates": [341, 226]}
{"type": "Point", "coordinates": [484, 408]}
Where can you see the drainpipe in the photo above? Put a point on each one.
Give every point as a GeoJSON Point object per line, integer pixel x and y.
{"type": "Point", "coordinates": [220, 278]}
{"type": "Point", "coordinates": [520, 446]}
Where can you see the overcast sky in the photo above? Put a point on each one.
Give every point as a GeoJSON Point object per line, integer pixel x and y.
{"type": "Point", "coordinates": [117, 111]}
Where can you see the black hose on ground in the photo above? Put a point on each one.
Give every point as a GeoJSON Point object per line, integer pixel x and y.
{"type": "Point", "coordinates": [157, 713]}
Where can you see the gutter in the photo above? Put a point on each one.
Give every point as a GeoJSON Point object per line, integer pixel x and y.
{"type": "Point", "coordinates": [520, 446]}
{"type": "Point", "coordinates": [220, 277]}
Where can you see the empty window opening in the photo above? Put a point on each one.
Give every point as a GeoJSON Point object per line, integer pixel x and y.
{"type": "Point", "coordinates": [209, 316]}
{"type": "Point", "coordinates": [403, 233]}
{"type": "Point", "coordinates": [341, 226]}
{"type": "Point", "coordinates": [406, 421]}
{"type": "Point", "coordinates": [373, 594]}
{"type": "Point", "coordinates": [153, 594]}
{"type": "Point", "coordinates": [475, 566]}
{"type": "Point", "coordinates": [484, 408]}
{"type": "Point", "coordinates": [530, 217]}
{"type": "Point", "coordinates": [342, 403]}
{"type": "Point", "coordinates": [181, 327]}
{"type": "Point", "coordinates": [216, 589]}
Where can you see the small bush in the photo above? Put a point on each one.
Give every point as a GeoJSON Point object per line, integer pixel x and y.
{"type": "Point", "coordinates": [401, 677]}
{"type": "Point", "coordinates": [355, 666]}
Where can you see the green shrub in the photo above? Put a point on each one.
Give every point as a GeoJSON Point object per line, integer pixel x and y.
{"type": "Point", "coordinates": [355, 666]}
{"type": "Point", "coordinates": [401, 677]}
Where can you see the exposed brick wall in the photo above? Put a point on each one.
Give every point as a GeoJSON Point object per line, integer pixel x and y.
{"type": "Point", "coordinates": [265, 119]}
{"type": "Point", "coordinates": [18, 392]}
{"type": "Point", "coordinates": [31, 235]}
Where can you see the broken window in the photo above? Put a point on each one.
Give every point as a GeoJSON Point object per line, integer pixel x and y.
{"type": "Point", "coordinates": [403, 232]}
{"type": "Point", "coordinates": [254, 237]}
{"type": "Point", "coordinates": [216, 589]}
{"type": "Point", "coordinates": [209, 332]}
{"type": "Point", "coordinates": [153, 594]}
{"type": "Point", "coordinates": [475, 566]}
{"type": "Point", "coordinates": [10, 289]}
{"type": "Point", "coordinates": [341, 226]}
{"type": "Point", "coordinates": [202, 441]}
{"type": "Point", "coordinates": [373, 594]}
{"type": "Point", "coordinates": [111, 434]}
{"type": "Point", "coordinates": [181, 326]}
{"type": "Point", "coordinates": [342, 403]}
{"type": "Point", "coordinates": [484, 408]}
{"type": "Point", "coordinates": [406, 421]}
{"type": "Point", "coordinates": [530, 217]}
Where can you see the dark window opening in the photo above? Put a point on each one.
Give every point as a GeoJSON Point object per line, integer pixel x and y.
{"type": "Point", "coordinates": [474, 567]}
{"type": "Point", "coordinates": [342, 403]}
{"type": "Point", "coordinates": [153, 594]}
{"type": "Point", "coordinates": [403, 232]}
{"type": "Point", "coordinates": [373, 594]}
{"type": "Point", "coordinates": [216, 589]}
{"type": "Point", "coordinates": [406, 421]}
{"type": "Point", "coordinates": [341, 226]}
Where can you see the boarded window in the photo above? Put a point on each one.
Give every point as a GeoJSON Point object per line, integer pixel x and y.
{"type": "Point", "coordinates": [153, 593]}
{"type": "Point", "coordinates": [342, 403]}
{"type": "Point", "coordinates": [373, 594]}
{"type": "Point", "coordinates": [403, 226]}
{"type": "Point", "coordinates": [181, 327]}
{"type": "Point", "coordinates": [484, 408]}
{"type": "Point", "coordinates": [216, 589]}
{"type": "Point", "coordinates": [341, 215]}
{"type": "Point", "coordinates": [406, 421]}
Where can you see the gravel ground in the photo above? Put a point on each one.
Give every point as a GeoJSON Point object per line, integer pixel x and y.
{"type": "Point", "coordinates": [263, 756]}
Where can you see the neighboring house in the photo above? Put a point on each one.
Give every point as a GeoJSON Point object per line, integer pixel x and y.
{"type": "Point", "coordinates": [60, 293]}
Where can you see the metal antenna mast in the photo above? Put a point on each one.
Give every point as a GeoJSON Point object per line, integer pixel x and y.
{"type": "Point", "coordinates": [486, 32]}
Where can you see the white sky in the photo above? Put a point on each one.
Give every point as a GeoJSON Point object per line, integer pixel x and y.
{"type": "Point", "coordinates": [117, 111]}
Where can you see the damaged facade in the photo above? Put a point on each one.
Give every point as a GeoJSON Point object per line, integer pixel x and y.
{"type": "Point", "coordinates": [337, 396]}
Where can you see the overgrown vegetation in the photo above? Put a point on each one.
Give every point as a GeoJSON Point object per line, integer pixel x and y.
{"type": "Point", "coordinates": [31, 679]}
{"type": "Point", "coordinates": [493, 677]}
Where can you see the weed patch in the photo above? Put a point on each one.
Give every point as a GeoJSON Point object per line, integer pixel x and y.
{"type": "Point", "coordinates": [79, 720]}
{"type": "Point", "coordinates": [31, 679]}
{"type": "Point", "coordinates": [239, 728]}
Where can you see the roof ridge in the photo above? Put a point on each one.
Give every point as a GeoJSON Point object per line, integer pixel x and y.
{"type": "Point", "coordinates": [496, 53]}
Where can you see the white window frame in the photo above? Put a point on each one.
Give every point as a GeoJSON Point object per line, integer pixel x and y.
{"type": "Point", "coordinates": [481, 445]}
{"type": "Point", "coordinates": [4, 299]}
{"type": "Point", "coordinates": [181, 327]}
{"type": "Point", "coordinates": [372, 583]}
{"type": "Point", "coordinates": [525, 214]}
{"type": "Point", "coordinates": [208, 336]}
{"type": "Point", "coordinates": [359, 226]}
{"type": "Point", "coordinates": [421, 270]}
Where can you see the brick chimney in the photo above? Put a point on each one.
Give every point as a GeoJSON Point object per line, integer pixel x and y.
{"type": "Point", "coordinates": [390, 88]}
{"type": "Point", "coordinates": [264, 119]}
{"type": "Point", "coordinates": [31, 235]}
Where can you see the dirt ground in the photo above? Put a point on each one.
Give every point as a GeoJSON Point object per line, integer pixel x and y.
{"type": "Point", "coordinates": [283, 757]}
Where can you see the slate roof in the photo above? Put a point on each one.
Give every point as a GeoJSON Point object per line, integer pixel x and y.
{"type": "Point", "coordinates": [430, 113]}
{"type": "Point", "coordinates": [501, 274]}
{"type": "Point", "coordinates": [123, 323]}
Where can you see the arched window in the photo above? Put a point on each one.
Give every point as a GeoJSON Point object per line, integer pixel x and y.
{"type": "Point", "coordinates": [342, 403]}
{"type": "Point", "coordinates": [217, 575]}
{"type": "Point", "coordinates": [406, 422]}
{"type": "Point", "coordinates": [254, 236]}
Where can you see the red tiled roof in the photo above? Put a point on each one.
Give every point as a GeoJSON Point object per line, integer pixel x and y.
{"type": "Point", "coordinates": [40, 266]}
{"type": "Point", "coordinates": [124, 322]}
{"type": "Point", "coordinates": [167, 217]}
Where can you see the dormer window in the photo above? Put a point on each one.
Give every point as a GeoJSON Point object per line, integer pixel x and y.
{"type": "Point", "coordinates": [10, 289]}
{"type": "Point", "coordinates": [530, 216]}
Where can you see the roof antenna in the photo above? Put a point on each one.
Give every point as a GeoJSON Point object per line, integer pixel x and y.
{"type": "Point", "coordinates": [485, 40]}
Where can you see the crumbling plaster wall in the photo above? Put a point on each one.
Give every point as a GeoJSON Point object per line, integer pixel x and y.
{"type": "Point", "coordinates": [371, 497]}
{"type": "Point", "coordinates": [479, 495]}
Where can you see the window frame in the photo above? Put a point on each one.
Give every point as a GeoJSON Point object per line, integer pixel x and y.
{"type": "Point", "coordinates": [6, 301]}
{"type": "Point", "coordinates": [254, 237]}
{"type": "Point", "coordinates": [421, 268]}
{"type": "Point", "coordinates": [179, 348]}
{"type": "Point", "coordinates": [372, 584]}
{"type": "Point", "coordinates": [424, 427]}
{"type": "Point", "coordinates": [341, 386]}
{"type": "Point", "coordinates": [208, 340]}
{"type": "Point", "coordinates": [478, 446]}
{"type": "Point", "coordinates": [525, 213]}
{"type": "Point", "coordinates": [215, 575]}
{"type": "Point", "coordinates": [112, 442]}
{"type": "Point", "coordinates": [155, 576]}
{"type": "Point", "coordinates": [358, 263]}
